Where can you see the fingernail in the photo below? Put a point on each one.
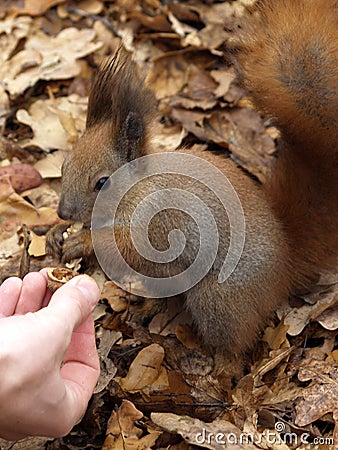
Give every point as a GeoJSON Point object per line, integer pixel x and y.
{"type": "Point", "coordinates": [88, 287]}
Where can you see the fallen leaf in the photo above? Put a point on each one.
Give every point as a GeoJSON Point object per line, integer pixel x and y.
{"type": "Point", "coordinates": [216, 435]}
{"type": "Point", "coordinates": [106, 338]}
{"type": "Point", "coordinates": [50, 166]}
{"type": "Point", "coordinates": [168, 139]}
{"type": "Point", "coordinates": [242, 132]}
{"type": "Point", "coordinates": [276, 337]}
{"type": "Point", "coordinates": [34, 7]}
{"type": "Point", "coordinates": [123, 434]}
{"type": "Point", "coordinates": [168, 75]}
{"type": "Point", "coordinates": [37, 246]}
{"type": "Point", "coordinates": [46, 58]}
{"type": "Point", "coordinates": [210, 37]}
{"type": "Point", "coordinates": [144, 370]}
{"type": "Point", "coordinates": [321, 396]}
{"type": "Point", "coordinates": [43, 195]}
{"type": "Point", "coordinates": [329, 318]}
{"type": "Point", "coordinates": [224, 78]}
{"type": "Point", "coordinates": [116, 297]}
{"type": "Point", "coordinates": [219, 13]}
{"type": "Point", "coordinates": [46, 118]}
{"type": "Point", "coordinates": [298, 318]}
{"type": "Point", "coordinates": [11, 31]}
{"type": "Point", "coordinates": [17, 211]}
{"type": "Point", "coordinates": [165, 323]}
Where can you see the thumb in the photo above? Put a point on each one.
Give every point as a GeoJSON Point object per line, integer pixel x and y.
{"type": "Point", "coordinates": [74, 301]}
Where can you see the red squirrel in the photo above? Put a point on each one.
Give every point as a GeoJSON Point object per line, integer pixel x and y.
{"type": "Point", "coordinates": [288, 62]}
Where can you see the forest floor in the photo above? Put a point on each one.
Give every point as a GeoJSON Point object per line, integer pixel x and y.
{"type": "Point", "coordinates": [159, 388]}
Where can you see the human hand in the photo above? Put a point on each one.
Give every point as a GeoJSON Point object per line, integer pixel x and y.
{"type": "Point", "coordinates": [48, 370]}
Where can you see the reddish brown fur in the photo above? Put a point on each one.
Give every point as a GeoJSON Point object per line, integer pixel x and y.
{"type": "Point", "coordinates": [289, 62]}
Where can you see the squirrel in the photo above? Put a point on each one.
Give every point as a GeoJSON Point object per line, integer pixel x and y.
{"type": "Point", "coordinates": [287, 60]}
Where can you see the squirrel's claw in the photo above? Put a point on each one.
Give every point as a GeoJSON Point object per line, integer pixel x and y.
{"type": "Point", "coordinates": [77, 245]}
{"type": "Point", "coordinates": [55, 239]}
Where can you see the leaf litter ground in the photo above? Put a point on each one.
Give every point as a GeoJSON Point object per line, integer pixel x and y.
{"type": "Point", "coordinates": [158, 388]}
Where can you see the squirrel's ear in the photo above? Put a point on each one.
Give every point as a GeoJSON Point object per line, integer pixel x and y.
{"type": "Point", "coordinates": [120, 98]}
{"type": "Point", "coordinates": [132, 136]}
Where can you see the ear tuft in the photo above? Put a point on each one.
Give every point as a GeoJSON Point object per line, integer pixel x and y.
{"type": "Point", "coordinates": [120, 97]}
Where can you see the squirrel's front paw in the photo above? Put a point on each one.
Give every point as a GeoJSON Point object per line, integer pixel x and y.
{"type": "Point", "coordinates": [68, 241]}
{"type": "Point", "coordinates": [55, 238]}
{"type": "Point", "coordinates": [77, 245]}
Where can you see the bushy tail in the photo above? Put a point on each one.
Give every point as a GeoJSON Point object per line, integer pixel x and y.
{"type": "Point", "coordinates": [289, 62]}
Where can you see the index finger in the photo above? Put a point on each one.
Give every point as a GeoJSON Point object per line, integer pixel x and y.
{"type": "Point", "coordinates": [81, 368]}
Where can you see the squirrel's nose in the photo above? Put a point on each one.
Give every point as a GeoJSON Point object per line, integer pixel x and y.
{"type": "Point", "coordinates": [64, 210]}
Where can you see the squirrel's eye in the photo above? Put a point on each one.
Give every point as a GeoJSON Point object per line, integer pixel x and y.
{"type": "Point", "coordinates": [99, 185]}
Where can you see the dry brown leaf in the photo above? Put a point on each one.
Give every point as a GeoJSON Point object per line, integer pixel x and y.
{"type": "Point", "coordinates": [122, 422]}
{"type": "Point", "coordinates": [37, 246]}
{"type": "Point", "coordinates": [198, 91]}
{"type": "Point", "coordinates": [50, 166]}
{"type": "Point", "coordinates": [334, 355]}
{"type": "Point", "coordinates": [264, 439]}
{"type": "Point", "coordinates": [86, 6]}
{"type": "Point", "coordinates": [43, 195]}
{"type": "Point", "coordinates": [34, 7]}
{"type": "Point", "coordinates": [168, 75]}
{"type": "Point", "coordinates": [275, 357]}
{"type": "Point", "coordinates": [192, 121]}
{"type": "Point", "coordinates": [30, 443]}
{"type": "Point", "coordinates": [210, 37]}
{"type": "Point", "coordinates": [242, 132]}
{"type": "Point", "coordinates": [165, 323]}
{"type": "Point", "coordinates": [4, 106]}
{"type": "Point", "coordinates": [224, 78]}
{"type": "Point", "coordinates": [46, 118]}
{"type": "Point", "coordinates": [180, 28]}
{"type": "Point", "coordinates": [219, 13]}
{"type": "Point", "coordinates": [321, 397]}
{"type": "Point", "coordinates": [329, 318]}
{"type": "Point", "coordinates": [159, 385]}
{"type": "Point", "coordinates": [298, 318]}
{"type": "Point", "coordinates": [123, 434]}
{"type": "Point", "coordinates": [107, 338]}
{"type": "Point", "coordinates": [247, 397]}
{"type": "Point", "coordinates": [47, 58]}
{"type": "Point", "coordinates": [11, 31]}
{"type": "Point", "coordinates": [68, 123]}
{"type": "Point", "coordinates": [168, 139]}
{"type": "Point", "coordinates": [276, 337]}
{"type": "Point", "coordinates": [216, 435]}
{"type": "Point", "coordinates": [288, 392]}
{"type": "Point", "coordinates": [17, 211]}
{"type": "Point", "coordinates": [144, 370]}
{"type": "Point", "coordinates": [9, 246]}
{"type": "Point", "coordinates": [156, 23]}
{"type": "Point", "coordinates": [146, 442]}
{"type": "Point", "coordinates": [116, 297]}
